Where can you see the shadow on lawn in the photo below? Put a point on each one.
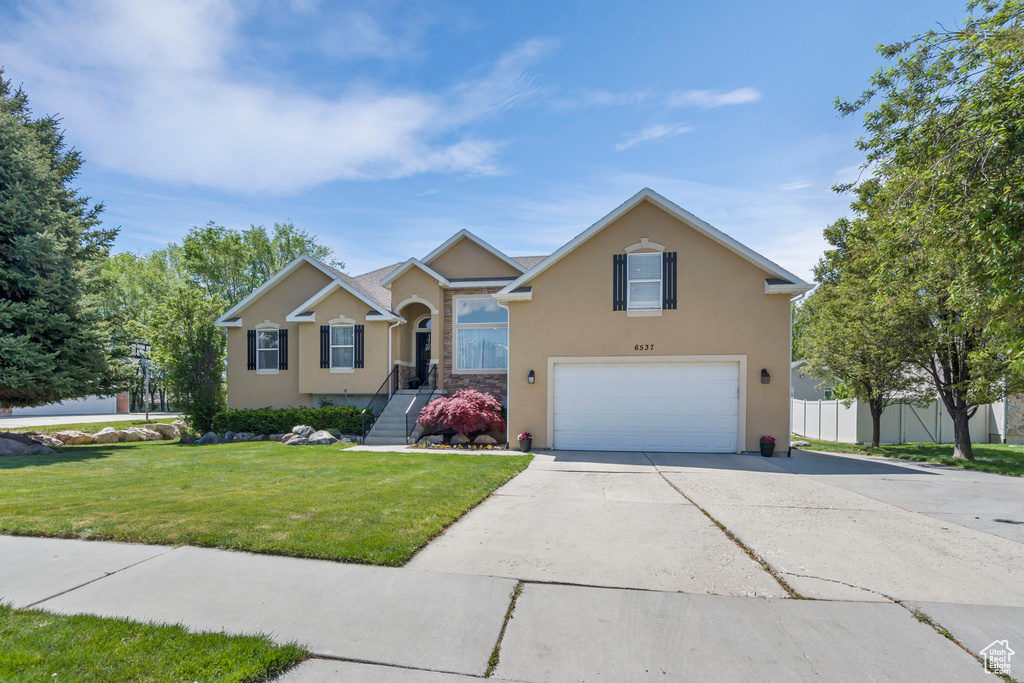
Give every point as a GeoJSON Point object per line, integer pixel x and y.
{"type": "Point", "coordinates": [70, 454]}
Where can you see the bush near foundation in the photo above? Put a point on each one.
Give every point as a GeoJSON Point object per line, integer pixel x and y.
{"type": "Point", "coordinates": [468, 412]}
{"type": "Point", "coordinates": [345, 419]}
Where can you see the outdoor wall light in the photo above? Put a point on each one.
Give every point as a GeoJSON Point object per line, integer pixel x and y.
{"type": "Point", "coordinates": [531, 378]}
{"type": "Point", "coordinates": [765, 377]}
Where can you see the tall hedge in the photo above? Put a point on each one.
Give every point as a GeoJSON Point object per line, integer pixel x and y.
{"type": "Point", "coordinates": [346, 419]}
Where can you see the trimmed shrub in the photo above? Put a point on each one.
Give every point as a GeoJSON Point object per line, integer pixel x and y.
{"type": "Point", "coordinates": [467, 412]}
{"type": "Point", "coordinates": [345, 419]}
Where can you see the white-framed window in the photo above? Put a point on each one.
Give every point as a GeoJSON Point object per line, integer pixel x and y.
{"type": "Point", "coordinates": [481, 335]}
{"type": "Point", "coordinates": [267, 350]}
{"type": "Point", "coordinates": [643, 272]}
{"type": "Point", "coordinates": [343, 349]}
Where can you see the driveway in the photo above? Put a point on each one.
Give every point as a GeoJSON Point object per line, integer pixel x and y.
{"type": "Point", "coordinates": [829, 527]}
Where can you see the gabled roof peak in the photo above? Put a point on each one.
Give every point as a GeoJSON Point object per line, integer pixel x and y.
{"type": "Point", "coordinates": [466, 234]}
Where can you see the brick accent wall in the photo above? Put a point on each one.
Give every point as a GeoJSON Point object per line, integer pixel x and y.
{"type": "Point", "coordinates": [123, 402]}
{"type": "Point", "coordinates": [491, 383]}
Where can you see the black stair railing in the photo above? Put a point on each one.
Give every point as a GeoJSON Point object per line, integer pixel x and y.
{"type": "Point", "coordinates": [431, 386]}
{"type": "Point", "coordinates": [376, 405]}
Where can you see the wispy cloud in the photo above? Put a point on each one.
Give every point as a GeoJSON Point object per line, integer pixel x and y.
{"type": "Point", "coordinates": [651, 133]}
{"type": "Point", "coordinates": [585, 98]}
{"type": "Point", "coordinates": [796, 185]}
{"type": "Point", "coordinates": [148, 88]}
{"type": "Point", "coordinates": [709, 99]}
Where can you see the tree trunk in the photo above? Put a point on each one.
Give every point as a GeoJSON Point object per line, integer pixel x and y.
{"type": "Point", "coordinates": [876, 408]}
{"type": "Point", "coordinates": [962, 435]}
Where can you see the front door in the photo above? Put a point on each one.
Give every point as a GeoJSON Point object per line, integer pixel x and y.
{"type": "Point", "coordinates": [422, 355]}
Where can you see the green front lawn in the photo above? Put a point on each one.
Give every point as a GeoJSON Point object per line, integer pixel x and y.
{"type": "Point", "coordinates": [40, 646]}
{"type": "Point", "coordinates": [90, 427]}
{"type": "Point", "coordinates": [988, 457]}
{"type": "Point", "coordinates": [308, 501]}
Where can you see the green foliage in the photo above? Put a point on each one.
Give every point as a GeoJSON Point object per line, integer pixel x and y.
{"type": "Point", "coordinates": [944, 206]}
{"type": "Point", "coordinates": [54, 341]}
{"type": "Point", "coordinates": [231, 263]}
{"type": "Point", "coordinates": [345, 419]}
{"type": "Point", "coordinates": [37, 645]}
{"type": "Point", "coordinates": [191, 353]}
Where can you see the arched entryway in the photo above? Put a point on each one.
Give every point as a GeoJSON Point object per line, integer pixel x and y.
{"type": "Point", "coordinates": [421, 347]}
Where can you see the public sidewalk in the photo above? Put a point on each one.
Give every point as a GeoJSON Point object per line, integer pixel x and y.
{"type": "Point", "coordinates": [389, 624]}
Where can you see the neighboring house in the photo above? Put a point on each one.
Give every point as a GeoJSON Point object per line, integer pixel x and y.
{"type": "Point", "coordinates": [90, 405]}
{"type": "Point", "coordinates": [805, 386]}
{"type": "Point", "coordinates": [650, 330]}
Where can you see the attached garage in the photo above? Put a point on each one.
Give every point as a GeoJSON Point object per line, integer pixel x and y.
{"type": "Point", "coordinates": [666, 405]}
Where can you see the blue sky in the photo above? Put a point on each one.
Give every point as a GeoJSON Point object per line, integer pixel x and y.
{"type": "Point", "coordinates": [386, 127]}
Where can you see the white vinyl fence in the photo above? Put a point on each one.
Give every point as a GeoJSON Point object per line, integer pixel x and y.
{"type": "Point", "coordinates": [901, 423]}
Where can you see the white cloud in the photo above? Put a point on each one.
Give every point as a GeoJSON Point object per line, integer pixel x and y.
{"type": "Point", "coordinates": [656, 132]}
{"type": "Point", "coordinates": [796, 185]}
{"type": "Point", "coordinates": [709, 99]}
{"type": "Point", "coordinates": [587, 98]}
{"type": "Point", "coordinates": [146, 90]}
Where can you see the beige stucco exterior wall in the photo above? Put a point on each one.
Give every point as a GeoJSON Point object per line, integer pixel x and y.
{"type": "Point", "coordinates": [722, 310]}
{"type": "Point", "coordinates": [365, 380]}
{"type": "Point", "coordinates": [466, 258]}
{"type": "Point", "coordinates": [415, 282]}
{"type": "Point", "coordinates": [246, 388]}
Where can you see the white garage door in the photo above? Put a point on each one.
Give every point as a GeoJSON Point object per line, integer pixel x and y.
{"type": "Point", "coordinates": [682, 407]}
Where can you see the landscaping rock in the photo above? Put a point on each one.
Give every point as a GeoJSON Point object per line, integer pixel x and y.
{"type": "Point", "coordinates": [47, 440]}
{"type": "Point", "coordinates": [303, 430]}
{"type": "Point", "coordinates": [207, 439]}
{"type": "Point", "coordinates": [106, 435]}
{"type": "Point", "coordinates": [346, 439]}
{"type": "Point", "coordinates": [433, 438]}
{"type": "Point", "coordinates": [322, 438]}
{"type": "Point", "coordinates": [73, 437]}
{"type": "Point", "coordinates": [246, 436]}
{"type": "Point", "coordinates": [485, 440]}
{"type": "Point", "coordinates": [21, 437]}
{"type": "Point", "coordinates": [276, 437]}
{"type": "Point", "coordinates": [226, 437]}
{"type": "Point", "coordinates": [146, 434]}
{"type": "Point", "coordinates": [12, 447]}
{"type": "Point", "coordinates": [167, 431]}
{"type": "Point", "coordinates": [187, 438]}
{"type": "Point", "coordinates": [40, 449]}
{"type": "Point", "coordinates": [262, 437]}
{"type": "Point", "coordinates": [459, 440]}
{"type": "Point", "coordinates": [130, 435]}
{"type": "Point", "coordinates": [297, 441]}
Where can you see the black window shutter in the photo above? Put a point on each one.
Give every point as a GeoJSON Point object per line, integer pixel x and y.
{"type": "Point", "coordinates": [251, 343]}
{"type": "Point", "coordinates": [619, 282]}
{"type": "Point", "coordinates": [358, 351]}
{"type": "Point", "coordinates": [282, 349]}
{"type": "Point", "coordinates": [325, 346]}
{"type": "Point", "coordinates": [668, 280]}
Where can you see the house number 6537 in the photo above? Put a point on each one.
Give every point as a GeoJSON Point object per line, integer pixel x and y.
{"type": "Point", "coordinates": [644, 347]}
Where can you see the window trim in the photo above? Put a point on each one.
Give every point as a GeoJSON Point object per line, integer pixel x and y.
{"type": "Point", "coordinates": [276, 348]}
{"type": "Point", "coordinates": [331, 346]}
{"type": "Point", "coordinates": [456, 326]}
{"type": "Point", "coordinates": [660, 280]}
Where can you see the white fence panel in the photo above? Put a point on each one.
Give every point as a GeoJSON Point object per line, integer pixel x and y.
{"type": "Point", "coordinates": [797, 417]}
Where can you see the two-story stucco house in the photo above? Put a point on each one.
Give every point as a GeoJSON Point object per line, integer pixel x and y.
{"type": "Point", "coordinates": [650, 330]}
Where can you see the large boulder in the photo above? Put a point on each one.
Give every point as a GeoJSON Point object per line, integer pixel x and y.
{"type": "Point", "coordinates": [303, 430]}
{"type": "Point", "coordinates": [21, 437]}
{"type": "Point", "coordinates": [130, 435]}
{"type": "Point", "coordinates": [47, 440]}
{"type": "Point", "coordinates": [207, 439]}
{"type": "Point", "coordinates": [40, 449]}
{"type": "Point", "coordinates": [276, 437]}
{"type": "Point", "coordinates": [297, 441]}
{"type": "Point", "coordinates": [146, 434]}
{"type": "Point", "coordinates": [106, 435]}
{"type": "Point", "coordinates": [226, 437]}
{"type": "Point", "coordinates": [245, 436]}
{"type": "Point", "coordinates": [460, 440]}
{"type": "Point", "coordinates": [187, 438]}
{"type": "Point", "coordinates": [484, 440]}
{"type": "Point", "coordinates": [73, 437]}
{"type": "Point", "coordinates": [12, 447]}
{"type": "Point", "coordinates": [322, 438]}
{"type": "Point", "coordinates": [166, 431]}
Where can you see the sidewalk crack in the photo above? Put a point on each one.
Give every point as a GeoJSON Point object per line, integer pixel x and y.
{"type": "Point", "coordinates": [492, 662]}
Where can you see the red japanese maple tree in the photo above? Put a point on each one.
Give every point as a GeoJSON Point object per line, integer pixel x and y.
{"type": "Point", "coordinates": [467, 412]}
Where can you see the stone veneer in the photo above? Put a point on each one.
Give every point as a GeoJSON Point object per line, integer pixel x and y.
{"type": "Point", "coordinates": [1015, 418]}
{"type": "Point", "coordinates": [496, 383]}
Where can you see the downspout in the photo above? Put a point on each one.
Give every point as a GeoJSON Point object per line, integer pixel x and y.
{"type": "Point", "coordinates": [391, 365]}
{"type": "Point", "coordinates": [508, 376]}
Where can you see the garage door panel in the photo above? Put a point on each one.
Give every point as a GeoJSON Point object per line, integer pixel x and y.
{"type": "Point", "coordinates": [648, 406]}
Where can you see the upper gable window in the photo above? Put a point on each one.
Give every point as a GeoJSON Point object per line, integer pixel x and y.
{"type": "Point", "coordinates": [267, 349]}
{"type": "Point", "coordinates": [481, 335]}
{"type": "Point", "coordinates": [644, 276]}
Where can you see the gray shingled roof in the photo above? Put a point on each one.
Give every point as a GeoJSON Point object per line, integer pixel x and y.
{"type": "Point", "coordinates": [528, 261]}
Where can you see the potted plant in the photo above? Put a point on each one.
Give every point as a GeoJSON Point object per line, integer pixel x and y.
{"type": "Point", "coordinates": [526, 442]}
{"type": "Point", "coordinates": [767, 446]}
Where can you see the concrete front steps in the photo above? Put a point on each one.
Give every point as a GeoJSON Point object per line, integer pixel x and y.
{"type": "Point", "coordinates": [390, 427]}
